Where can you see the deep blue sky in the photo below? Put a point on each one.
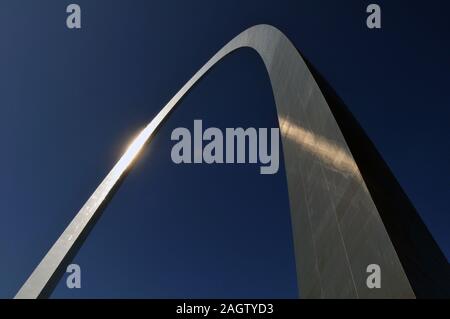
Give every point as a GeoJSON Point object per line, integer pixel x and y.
{"type": "Point", "coordinates": [70, 101]}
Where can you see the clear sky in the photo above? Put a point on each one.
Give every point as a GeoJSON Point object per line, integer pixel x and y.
{"type": "Point", "coordinates": [71, 100]}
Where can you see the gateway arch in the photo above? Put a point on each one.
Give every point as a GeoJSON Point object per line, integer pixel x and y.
{"type": "Point", "coordinates": [347, 209]}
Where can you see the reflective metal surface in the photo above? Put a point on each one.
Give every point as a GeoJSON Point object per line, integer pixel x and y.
{"type": "Point", "coordinates": [337, 228]}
